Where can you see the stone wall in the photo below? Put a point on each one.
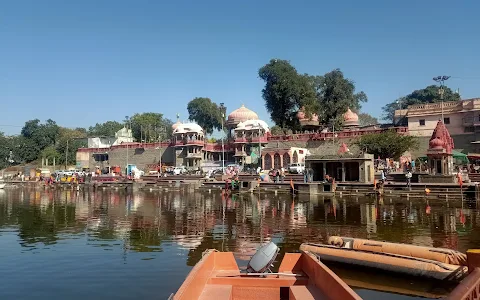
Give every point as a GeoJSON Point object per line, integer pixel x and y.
{"type": "Point", "coordinates": [137, 156]}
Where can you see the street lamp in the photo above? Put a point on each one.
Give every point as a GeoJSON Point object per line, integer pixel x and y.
{"type": "Point", "coordinates": [160, 132]}
{"type": "Point", "coordinates": [441, 81]}
{"type": "Point", "coordinates": [222, 108]}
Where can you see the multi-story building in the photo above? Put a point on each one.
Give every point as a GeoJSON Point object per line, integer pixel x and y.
{"type": "Point", "coordinates": [462, 119]}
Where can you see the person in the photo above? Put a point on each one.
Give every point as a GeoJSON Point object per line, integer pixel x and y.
{"type": "Point", "coordinates": [412, 165]}
{"type": "Point", "coordinates": [382, 176]}
{"type": "Point", "coordinates": [409, 178]}
{"type": "Point", "coordinates": [305, 176]}
{"type": "Point", "coordinates": [282, 174]}
{"type": "Point", "coordinates": [277, 176]}
{"type": "Point", "coordinates": [310, 175]}
{"type": "Point", "coordinates": [259, 169]}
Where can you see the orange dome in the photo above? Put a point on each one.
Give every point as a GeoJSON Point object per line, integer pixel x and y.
{"type": "Point", "coordinates": [175, 125]}
{"type": "Point", "coordinates": [436, 143]}
{"type": "Point", "coordinates": [350, 118]}
{"type": "Point", "coordinates": [301, 116]}
{"type": "Point", "coordinates": [241, 115]}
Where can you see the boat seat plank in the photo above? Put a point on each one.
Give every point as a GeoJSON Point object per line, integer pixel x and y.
{"type": "Point", "coordinates": [309, 292]}
{"type": "Point", "coordinates": [217, 292]}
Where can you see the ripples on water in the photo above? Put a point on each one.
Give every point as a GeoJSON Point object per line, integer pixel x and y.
{"type": "Point", "coordinates": [111, 244]}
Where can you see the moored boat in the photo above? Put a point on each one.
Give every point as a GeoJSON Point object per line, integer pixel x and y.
{"type": "Point", "coordinates": [300, 276]}
{"type": "Point", "coordinates": [436, 263]}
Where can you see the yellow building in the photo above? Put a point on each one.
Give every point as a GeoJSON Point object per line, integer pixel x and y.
{"type": "Point", "coordinates": [460, 117]}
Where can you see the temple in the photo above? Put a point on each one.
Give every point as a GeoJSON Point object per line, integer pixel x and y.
{"type": "Point", "coordinates": [248, 142]}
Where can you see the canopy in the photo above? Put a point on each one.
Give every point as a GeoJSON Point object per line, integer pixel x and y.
{"type": "Point", "coordinates": [458, 156]}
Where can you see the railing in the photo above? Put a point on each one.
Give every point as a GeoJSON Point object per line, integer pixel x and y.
{"type": "Point", "coordinates": [240, 140]}
{"type": "Point", "coordinates": [194, 155]}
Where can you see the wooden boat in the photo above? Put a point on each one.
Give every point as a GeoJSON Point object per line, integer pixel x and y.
{"type": "Point", "coordinates": [436, 263]}
{"type": "Point", "coordinates": [300, 276]}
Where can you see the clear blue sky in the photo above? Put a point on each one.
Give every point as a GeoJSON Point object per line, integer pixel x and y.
{"type": "Point", "coordinates": [81, 62]}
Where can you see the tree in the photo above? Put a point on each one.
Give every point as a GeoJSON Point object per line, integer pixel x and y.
{"type": "Point", "coordinates": [430, 94]}
{"type": "Point", "coordinates": [206, 113]}
{"type": "Point", "coordinates": [365, 119]}
{"type": "Point", "coordinates": [388, 144]}
{"type": "Point", "coordinates": [276, 130]}
{"type": "Point", "coordinates": [75, 139]}
{"type": "Point", "coordinates": [285, 92]}
{"type": "Point", "coordinates": [108, 128]}
{"type": "Point", "coordinates": [39, 137]}
{"type": "Point", "coordinates": [335, 95]}
{"type": "Point", "coordinates": [150, 127]}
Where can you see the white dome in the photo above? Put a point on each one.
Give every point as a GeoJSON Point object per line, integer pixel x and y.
{"type": "Point", "coordinates": [188, 127]}
{"type": "Point", "coordinates": [253, 125]}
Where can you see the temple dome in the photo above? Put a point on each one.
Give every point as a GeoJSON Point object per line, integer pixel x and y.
{"type": "Point", "coordinates": [188, 127]}
{"type": "Point", "coordinates": [436, 143]}
{"type": "Point", "coordinates": [241, 115]}
{"type": "Point", "coordinates": [350, 118]}
{"type": "Point", "coordinates": [175, 125]}
{"type": "Point", "coordinates": [253, 125]}
{"type": "Point", "coordinates": [304, 120]}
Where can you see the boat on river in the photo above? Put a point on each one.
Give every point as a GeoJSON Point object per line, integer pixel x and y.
{"type": "Point", "coordinates": [300, 276]}
{"type": "Point", "coordinates": [428, 262]}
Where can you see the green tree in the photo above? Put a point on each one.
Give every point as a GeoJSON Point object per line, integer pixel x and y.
{"type": "Point", "coordinates": [75, 139]}
{"type": "Point", "coordinates": [108, 128]}
{"type": "Point", "coordinates": [39, 137]}
{"type": "Point", "coordinates": [276, 130]}
{"type": "Point", "coordinates": [206, 113]}
{"type": "Point", "coordinates": [388, 144]}
{"type": "Point", "coordinates": [150, 127]}
{"type": "Point", "coordinates": [335, 95]}
{"type": "Point", "coordinates": [285, 92]}
{"type": "Point", "coordinates": [430, 94]}
{"type": "Point", "coordinates": [365, 119]}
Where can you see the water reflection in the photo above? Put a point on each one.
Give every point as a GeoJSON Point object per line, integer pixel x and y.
{"type": "Point", "coordinates": [161, 226]}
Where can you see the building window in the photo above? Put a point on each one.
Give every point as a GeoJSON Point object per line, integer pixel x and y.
{"type": "Point", "coordinates": [446, 121]}
{"type": "Point", "coordinates": [469, 129]}
{"type": "Point", "coordinates": [421, 122]}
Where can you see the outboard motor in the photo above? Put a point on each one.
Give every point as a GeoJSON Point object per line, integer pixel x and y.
{"type": "Point", "coordinates": [262, 260]}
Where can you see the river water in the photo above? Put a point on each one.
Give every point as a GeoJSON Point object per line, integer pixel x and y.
{"type": "Point", "coordinates": [62, 244]}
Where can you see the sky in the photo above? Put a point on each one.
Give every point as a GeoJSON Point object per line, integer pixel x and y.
{"type": "Point", "coordinates": [90, 61]}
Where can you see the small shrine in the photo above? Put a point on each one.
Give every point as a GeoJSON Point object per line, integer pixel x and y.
{"type": "Point", "coordinates": [439, 154]}
{"type": "Point", "coordinates": [308, 123]}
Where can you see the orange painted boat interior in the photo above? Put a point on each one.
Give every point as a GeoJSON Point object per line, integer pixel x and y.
{"type": "Point", "coordinates": [218, 277]}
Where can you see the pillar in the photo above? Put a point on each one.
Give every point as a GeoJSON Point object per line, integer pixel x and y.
{"type": "Point", "coordinates": [263, 161]}
{"type": "Point", "coordinates": [343, 171]}
{"type": "Point", "coordinates": [281, 160]}
{"type": "Point", "coordinates": [324, 165]}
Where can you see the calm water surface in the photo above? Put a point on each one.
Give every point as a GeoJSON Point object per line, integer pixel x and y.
{"type": "Point", "coordinates": [116, 245]}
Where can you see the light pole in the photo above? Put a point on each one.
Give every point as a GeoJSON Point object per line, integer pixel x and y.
{"type": "Point", "coordinates": [161, 131]}
{"type": "Point", "coordinates": [222, 108]}
{"type": "Point", "coordinates": [441, 80]}
{"type": "Point", "coordinates": [66, 156]}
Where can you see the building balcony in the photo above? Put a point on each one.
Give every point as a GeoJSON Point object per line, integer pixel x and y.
{"type": "Point", "coordinates": [189, 142]}
{"type": "Point", "coordinates": [240, 140]}
{"type": "Point", "coordinates": [261, 139]}
{"type": "Point", "coordinates": [195, 155]}
{"type": "Point", "coordinates": [240, 153]}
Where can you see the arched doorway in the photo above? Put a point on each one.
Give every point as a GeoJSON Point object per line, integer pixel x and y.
{"type": "Point", "coordinates": [276, 161]}
{"type": "Point", "coordinates": [286, 159]}
{"type": "Point", "coordinates": [268, 161]}
{"type": "Point", "coordinates": [295, 157]}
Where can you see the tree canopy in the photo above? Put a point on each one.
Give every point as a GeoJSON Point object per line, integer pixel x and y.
{"type": "Point", "coordinates": [108, 128]}
{"type": "Point", "coordinates": [336, 94]}
{"type": "Point", "coordinates": [150, 127]}
{"type": "Point", "coordinates": [206, 113]}
{"type": "Point", "coordinates": [388, 144]}
{"type": "Point", "coordinates": [430, 94]}
{"type": "Point", "coordinates": [365, 119]}
{"type": "Point", "coordinates": [286, 91]}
